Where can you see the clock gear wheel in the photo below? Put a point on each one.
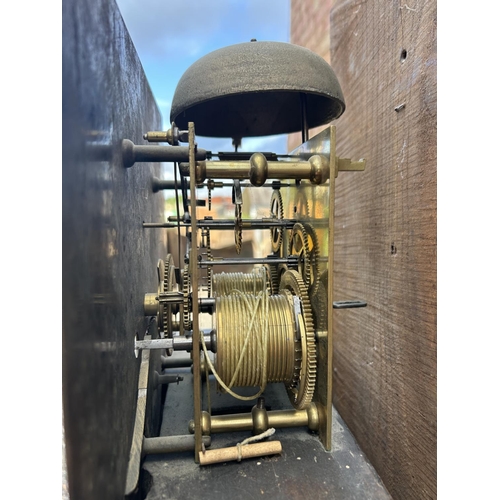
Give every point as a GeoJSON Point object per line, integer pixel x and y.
{"type": "Point", "coordinates": [160, 316]}
{"type": "Point", "coordinates": [205, 238]}
{"type": "Point", "coordinates": [186, 290]}
{"type": "Point", "coordinates": [276, 213]}
{"type": "Point", "coordinates": [314, 257]}
{"type": "Point", "coordinates": [168, 286]}
{"type": "Point", "coordinates": [299, 247]}
{"type": "Point", "coordinates": [210, 274]}
{"type": "Point", "coordinates": [319, 301]}
{"type": "Point", "coordinates": [301, 205]}
{"type": "Point", "coordinates": [273, 279]}
{"type": "Point", "coordinates": [301, 388]}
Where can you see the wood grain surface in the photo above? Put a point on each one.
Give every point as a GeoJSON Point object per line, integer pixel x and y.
{"type": "Point", "coordinates": [384, 54]}
{"type": "Point", "coordinates": [108, 259]}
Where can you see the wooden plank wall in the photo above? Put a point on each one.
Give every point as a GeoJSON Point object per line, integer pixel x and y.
{"type": "Point", "coordinates": [384, 54]}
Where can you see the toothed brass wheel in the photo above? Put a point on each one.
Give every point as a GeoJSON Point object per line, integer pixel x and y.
{"type": "Point", "coordinates": [314, 256]}
{"type": "Point", "coordinates": [299, 247]}
{"type": "Point", "coordinates": [186, 289]}
{"type": "Point", "coordinates": [273, 280]}
{"type": "Point", "coordinates": [301, 205]}
{"type": "Point", "coordinates": [168, 286]}
{"type": "Point", "coordinates": [210, 273]}
{"type": "Point", "coordinates": [301, 388]}
{"type": "Point", "coordinates": [276, 213]}
{"type": "Point", "coordinates": [160, 316]}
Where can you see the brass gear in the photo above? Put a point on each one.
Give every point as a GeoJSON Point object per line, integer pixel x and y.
{"type": "Point", "coordinates": [319, 299]}
{"type": "Point", "coordinates": [209, 268]}
{"type": "Point", "coordinates": [273, 280]}
{"type": "Point", "coordinates": [238, 228]}
{"type": "Point", "coordinates": [301, 388]}
{"type": "Point", "coordinates": [319, 302]}
{"type": "Point", "coordinates": [282, 269]}
{"type": "Point", "coordinates": [168, 286]}
{"type": "Point", "coordinates": [299, 247]}
{"type": "Point", "coordinates": [276, 213]}
{"type": "Point", "coordinates": [314, 256]}
{"type": "Point", "coordinates": [205, 243]}
{"type": "Point", "coordinates": [160, 315]}
{"type": "Point", "coordinates": [301, 205]}
{"type": "Point", "coordinates": [186, 289]}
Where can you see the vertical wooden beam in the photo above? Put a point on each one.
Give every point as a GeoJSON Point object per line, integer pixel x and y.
{"type": "Point", "coordinates": [384, 54]}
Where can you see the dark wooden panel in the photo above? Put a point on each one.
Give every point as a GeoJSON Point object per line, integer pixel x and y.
{"type": "Point", "coordinates": [108, 259]}
{"type": "Point", "coordinates": [385, 248]}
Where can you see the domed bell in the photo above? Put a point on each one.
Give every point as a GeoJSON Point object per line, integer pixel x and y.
{"type": "Point", "coordinates": [254, 89]}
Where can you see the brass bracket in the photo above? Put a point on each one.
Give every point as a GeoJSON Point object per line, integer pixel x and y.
{"type": "Point", "coordinates": [347, 165]}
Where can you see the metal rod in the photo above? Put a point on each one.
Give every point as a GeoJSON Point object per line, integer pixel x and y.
{"type": "Point", "coordinates": [258, 169]}
{"type": "Point", "coordinates": [206, 304]}
{"type": "Point", "coordinates": [184, 191]}
{"type": "Point", "coordinates": [210, 222]}
{"type": "Point", "coordinates": [172, 362]}
{"type": "Point", "coordinates": [303, 109]}
{"type": "Point", "coordinates": [131, 153]}
{"type": "Point", "coordinates": [154, 344]}
{"type": "Point", "coordinates": [245, 421]}
{"type": "Point", "coordinates": [349, 304]}
{"type": "Point", "coordinates": [173, 297]}
{"type": "Point", "coordinates": [167, 379]}
{"type": "Point", "coordinates": [171, 444]}
{"type": "Point", "coordinates": [185, 343]}
{"type": "Point", "coordinates": [291, 261]}
{"type": "Point", "coordinates": [178, 342]}
{"type": "Point", "coordinates": [161, 184]}
{"type": "Point", "coordinates": [247, 154]}
{"type": "Point", "coordinates": [226, 224]}
{"type": "Point", "coordinates": [247, 223]}
{"type": "Point", "coordinates": [240, 170]}
{"type": "Point", "coordinates": [178, 215]}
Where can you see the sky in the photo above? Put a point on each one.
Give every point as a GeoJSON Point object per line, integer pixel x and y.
{"type": "Point", "coordinates": [170, 36]}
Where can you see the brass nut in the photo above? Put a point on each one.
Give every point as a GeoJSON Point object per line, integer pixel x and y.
{"type": "Point", "coordinates": [313, 417]}
{"type": "Point", "coordinates": [206, 426]}
{"type": "Point", "coordinates": [260, 419]}
{"type": "Point", "coordinates": [201, 171]}
{"type": "Point", "coordinates": [151, 304]}
{"type": "Point", "coordinates": [320, 169]}
{"type": "Point", "coordinates": [258, 169]}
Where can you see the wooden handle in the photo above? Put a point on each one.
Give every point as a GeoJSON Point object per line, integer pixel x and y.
{"type": "Point", "coordinates": [247, 451]}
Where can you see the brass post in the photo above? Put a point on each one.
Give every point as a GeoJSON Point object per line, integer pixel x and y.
{"type": "Point", "coordinates": [245, 421]}
{"type": "Point", "coordinates": [325, 431]}
{"type": "Point", "coordinates": [193, 264]}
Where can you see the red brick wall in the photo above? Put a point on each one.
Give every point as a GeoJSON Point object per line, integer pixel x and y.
{"type": "Point", "coordinates": [310, 28]}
